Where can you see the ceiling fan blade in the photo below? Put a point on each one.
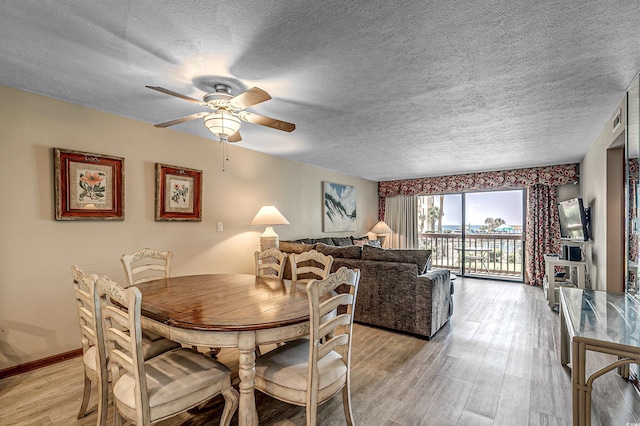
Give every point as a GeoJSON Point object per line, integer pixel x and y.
{"type": "Point", "coordinates": [266, 121]}
{"type": "Point", "coordinates": [249, 98]}
{"type": "Point", "coordinates": [177, 95]}
{"type": "Point", "coordinates": [182, 119]}
{"type": "Point", "coordinates": [235, 137]}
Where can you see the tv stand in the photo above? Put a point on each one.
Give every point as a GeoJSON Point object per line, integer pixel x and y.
{"type": "Point", "coordinates": [551, 284]}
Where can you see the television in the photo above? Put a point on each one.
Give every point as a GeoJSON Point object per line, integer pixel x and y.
{"type": "Point", "coordinates": [574, 220]}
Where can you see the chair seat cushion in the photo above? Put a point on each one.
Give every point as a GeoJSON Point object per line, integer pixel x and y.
{"type": "Point", "coordinates": [153, 345]}
{"type": "Point", "coordinates": [176, 380]}
{"type": "Point", "coordinates": [288, 365]}
{"type": "Point", "coordinates": [150, 347]}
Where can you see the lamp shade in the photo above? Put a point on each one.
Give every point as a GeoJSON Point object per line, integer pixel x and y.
{"type": "Point", "coordinates": [268, 216]}
{"type": "Point", "coordinates": [381, 228]}
{"type": "Point", "coordinates": [222, 124]}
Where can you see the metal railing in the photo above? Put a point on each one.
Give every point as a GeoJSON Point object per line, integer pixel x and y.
{"type": "Point", "coordinates": [496, 255]}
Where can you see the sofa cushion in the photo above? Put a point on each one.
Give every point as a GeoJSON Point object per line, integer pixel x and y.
{"type": "Point", "coordinates": [349, 252]}
{"type": "Point", "coordinates": [294, 247]}
{"type": "Point", "coordinates": [328, 241]}
{"type": "Point", "coordinates": [305, 240]}
{"type": "Point", "coordinates": [419, 257]}
{"type": "Point", "coordinates": [342, 241]}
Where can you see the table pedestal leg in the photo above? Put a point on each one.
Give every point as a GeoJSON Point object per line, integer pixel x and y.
{"type": "Point", "coordinates": [247, 414]}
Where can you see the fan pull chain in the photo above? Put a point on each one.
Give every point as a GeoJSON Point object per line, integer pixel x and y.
{"type": "Point", "coordinates": [225, 152]}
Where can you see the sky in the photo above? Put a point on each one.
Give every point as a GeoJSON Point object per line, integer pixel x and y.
{"type": "Point", "coordinates": [481, 205]}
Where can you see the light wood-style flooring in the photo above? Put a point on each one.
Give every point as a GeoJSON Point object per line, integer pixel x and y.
{"type": "Point", "coordinates": [495, 363]}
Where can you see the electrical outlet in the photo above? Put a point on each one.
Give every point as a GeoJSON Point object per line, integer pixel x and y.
{"type": "Point", "coordinates": [220, 228]}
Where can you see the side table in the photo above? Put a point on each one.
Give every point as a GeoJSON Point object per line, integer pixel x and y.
{"type": "Point", "coordinates": [598, 321]}
{"type": "Point", "coordinates": [551, 285]}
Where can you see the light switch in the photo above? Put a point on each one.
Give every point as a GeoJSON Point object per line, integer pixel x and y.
{"type": "Point", "coordinates": [220, 227]}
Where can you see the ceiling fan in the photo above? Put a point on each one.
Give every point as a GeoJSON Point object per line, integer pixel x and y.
{"type": "Point", "coordinates": [227, 111]}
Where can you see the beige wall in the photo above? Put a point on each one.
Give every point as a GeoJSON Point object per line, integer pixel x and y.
{"type": "Point", "coordinates": [37, 308]}
{"type": "Point", "coordinates": [602, 186]}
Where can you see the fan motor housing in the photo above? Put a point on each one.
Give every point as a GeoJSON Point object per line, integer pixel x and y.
{"type": "Point", "coordinates": [222, 93]}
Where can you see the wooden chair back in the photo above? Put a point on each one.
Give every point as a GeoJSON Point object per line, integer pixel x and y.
{"type": "Point", "coordinates": [310, 371]}
{"type": "Point", "coordinates": [270, 262]}
{"type": "Point", "coordinates": [330, 333]}
{"type": "Point", "coordinates": [123, 335]}
{"type": "Point", "coordinates": [95, 370]}
{"type": "Point", "coordinates": [146, 265]}
{"type": "Point", "coordinates": [310, 263]}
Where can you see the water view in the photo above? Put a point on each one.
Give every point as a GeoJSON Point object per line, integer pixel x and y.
{"type": "Point", "coordinates": [477, 234]}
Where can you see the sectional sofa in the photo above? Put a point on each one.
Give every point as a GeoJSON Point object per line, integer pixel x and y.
{"type": "Point", "coordinates": [397, 291]}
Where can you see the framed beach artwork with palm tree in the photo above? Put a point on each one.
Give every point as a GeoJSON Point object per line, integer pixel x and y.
{"type": "Point", "coordinates": [88, 186]}
{"type": "Point", "coordinates": [178, 193]}
{"type": "Point", "coordinates": [339, 207]}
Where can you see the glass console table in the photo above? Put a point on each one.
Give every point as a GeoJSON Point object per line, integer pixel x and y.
{"type": "Point", "coordinates": [598, 321]}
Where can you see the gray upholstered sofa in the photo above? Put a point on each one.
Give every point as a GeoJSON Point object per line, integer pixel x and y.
{"type": "Point", "coordinates": [396, 291]}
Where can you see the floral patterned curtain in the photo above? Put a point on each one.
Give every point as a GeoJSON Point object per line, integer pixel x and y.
{"type": "Point", "coordinates": [485, 181]}
{"type": "Point", "coordinates": [543, 230]}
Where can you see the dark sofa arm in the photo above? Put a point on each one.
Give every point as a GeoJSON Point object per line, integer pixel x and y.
{"type": "Point", "coordinates": [391, 295]}
{"type": "Point", "coordinates": [437, 296]}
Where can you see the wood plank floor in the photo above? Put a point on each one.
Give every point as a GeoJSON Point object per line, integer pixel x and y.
{"type": "Point", "coordinates": [495, 363]}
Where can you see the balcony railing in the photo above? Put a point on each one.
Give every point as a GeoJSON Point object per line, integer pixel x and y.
{"type": "Point", "coordinates": [496, 255]}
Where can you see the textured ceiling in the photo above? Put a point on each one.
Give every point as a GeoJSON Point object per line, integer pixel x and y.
{"type": "Point", "coordinates": [377, 89]}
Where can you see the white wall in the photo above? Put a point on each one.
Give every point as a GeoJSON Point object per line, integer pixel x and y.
{"type": "Point", "coordinates": [37, 308]}
{"type": "Point", "coordinates": [604, 196]}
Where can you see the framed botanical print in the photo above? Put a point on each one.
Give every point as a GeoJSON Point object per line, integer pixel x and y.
{"type": "Point", "coordinates": [178, 193]}
{"type": "Point", "coordinates": [88, 186]}
{"type": "Point", "coordinates": [339, 209]}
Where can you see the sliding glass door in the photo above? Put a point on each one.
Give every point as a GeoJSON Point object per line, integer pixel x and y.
{"type": "Point", "coordinates": [476, 234]}
{"type": "Point", "coordinates": [440, 228]}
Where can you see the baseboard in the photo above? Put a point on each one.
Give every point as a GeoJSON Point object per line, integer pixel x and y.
{"type": "Point", "coordinates": [39, 363]}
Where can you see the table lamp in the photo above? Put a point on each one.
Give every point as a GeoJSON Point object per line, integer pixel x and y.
{"type": "Point", "coordinates": [268, 216]}
{"type": "Point", "coordinates": [381, 229]}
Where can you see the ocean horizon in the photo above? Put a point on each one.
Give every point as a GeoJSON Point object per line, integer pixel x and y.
{"type": "Point", "coordinates": [474, 228]}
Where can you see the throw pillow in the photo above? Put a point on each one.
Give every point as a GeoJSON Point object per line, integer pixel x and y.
{"type": "Point", "coordinates": [365, 241]}
{"type": "Point", "coordinates": [354, 239]}
{"type": "Point", "coordinates": [348, 252]}
{"type": "Point", "coordinates": [421, 258]}
{"type": "Point", "coordinates": [342, 242]}
{"type": "Point", "coordinates": [328, 241]}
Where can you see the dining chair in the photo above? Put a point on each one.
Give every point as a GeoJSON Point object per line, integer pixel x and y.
{"type": "Point", "coordinates": [309, 265]}
{"type": "Point", "coordinates": [270, 262]}
{"type": "Point", "coordinates": [146, 265]}
{"type": "Point", "coordinates": [310, 371]}
{"type": "Point", "coordinates": [147, 391]}
{"type": "Point", "coordinates": [94, 354]}
{"type": "Point", "coordinates": [92, 344]}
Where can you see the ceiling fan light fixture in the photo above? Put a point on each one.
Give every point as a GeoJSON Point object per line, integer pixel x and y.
{"type": "Point", "coordinates": [222, 123]}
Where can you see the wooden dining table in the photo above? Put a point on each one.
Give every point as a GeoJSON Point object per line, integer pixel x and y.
{"type": "Point", "coordinates": [227, 311]}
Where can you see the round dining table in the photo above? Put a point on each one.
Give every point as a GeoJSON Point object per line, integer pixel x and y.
{"type": "Point", "coordinates": [227, 311]}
